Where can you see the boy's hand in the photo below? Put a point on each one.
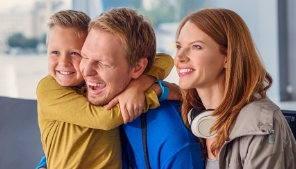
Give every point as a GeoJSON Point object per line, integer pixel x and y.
{"type": "Point", "coordinates": [132, 99]}
{"type": "Point", "coordinates": [174, 93]}
{"type": "Point", "coordinates": [131, 103]}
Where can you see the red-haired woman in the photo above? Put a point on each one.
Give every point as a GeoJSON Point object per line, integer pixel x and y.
{"type": "Point", "coordinates": [224, 88]}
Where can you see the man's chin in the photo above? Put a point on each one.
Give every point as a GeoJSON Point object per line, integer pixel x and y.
{"type": "Point", "coordinates": [96, 101]}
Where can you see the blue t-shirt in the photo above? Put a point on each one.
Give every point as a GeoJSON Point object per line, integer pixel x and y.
{"type": "Point", "coordinates": [42, 163]}
{"type": "Point", "coordinates": [169, 143]}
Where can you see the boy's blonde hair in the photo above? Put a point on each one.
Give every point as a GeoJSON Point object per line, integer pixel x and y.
{"type": "Point", "coordinates": [70, 19]}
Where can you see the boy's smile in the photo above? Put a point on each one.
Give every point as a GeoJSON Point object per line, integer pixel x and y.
{"type": "Point", "coordinates": [64, 46]}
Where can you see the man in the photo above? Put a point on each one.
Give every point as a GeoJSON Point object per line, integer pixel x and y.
{"type": "Point", "coordinates": [119, 47]}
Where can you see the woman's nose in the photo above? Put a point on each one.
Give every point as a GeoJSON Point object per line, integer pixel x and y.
{"type": "Point", "coordinates": [181, 56]}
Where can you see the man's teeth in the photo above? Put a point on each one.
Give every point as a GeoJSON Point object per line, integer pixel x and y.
{"type": "Point", "coordinates": [65, 73]}
{"type": "Point", "coordinates": [94, 84]}
{"type": "Point", "coordinates": [185, 70]}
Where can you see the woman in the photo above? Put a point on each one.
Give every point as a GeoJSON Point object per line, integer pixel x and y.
{"type": "Point", "coordinates": [224, 88]}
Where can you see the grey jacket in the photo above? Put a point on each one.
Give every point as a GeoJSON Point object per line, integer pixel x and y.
{"type": "Point", "coordinates": [260, 139]}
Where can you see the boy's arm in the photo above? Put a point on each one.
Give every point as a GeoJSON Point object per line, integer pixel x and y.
{"type": "Point", "coordinates": [132, 98]}
{"type": "Point", "coordinates": [174, 91]}
{"type": "Point", "coordinates": [56, 102]}
{"type": "Point", "coordinates": [162, 66]}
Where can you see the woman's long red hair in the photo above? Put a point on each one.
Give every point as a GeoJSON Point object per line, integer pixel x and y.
{"type": "Point", "coordinates": [244, 75]}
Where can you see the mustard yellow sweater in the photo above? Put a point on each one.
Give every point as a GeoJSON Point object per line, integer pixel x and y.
{"type": "Point", "coordinates": [76, 134]}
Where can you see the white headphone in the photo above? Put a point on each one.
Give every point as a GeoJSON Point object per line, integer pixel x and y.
{"type": "Point", "coordinates": [201, 122]}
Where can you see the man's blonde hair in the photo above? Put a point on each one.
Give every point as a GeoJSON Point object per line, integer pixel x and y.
{"type": "Point", "coordinates": [134, 30]}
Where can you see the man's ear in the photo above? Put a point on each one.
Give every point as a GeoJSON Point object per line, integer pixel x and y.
{"type": "Point", "coordinates": [139, 68]}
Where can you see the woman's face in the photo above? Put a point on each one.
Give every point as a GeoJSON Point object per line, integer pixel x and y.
{"type": "Point", "coordinates": [198, 59]}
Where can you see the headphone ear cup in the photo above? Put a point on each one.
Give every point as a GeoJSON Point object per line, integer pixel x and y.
{"type": "Point", "coordinates": [189, 117]}
{"type": "Point", "coordinates": [202, 123]}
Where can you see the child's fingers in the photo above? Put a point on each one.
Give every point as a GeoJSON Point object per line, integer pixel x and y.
{"type": "Point", "coordinates": [112, 103]}
{"type": "Point", "coordinates": [175, 93]}
{"type": "Point", "coordinates": [125, 114]}
{"type": "Point", "coordinates": [139, 111]}
{"type": "Point", "coordinates": [130, 112]}
{"type": "Point", "coordinates": [135, 111]}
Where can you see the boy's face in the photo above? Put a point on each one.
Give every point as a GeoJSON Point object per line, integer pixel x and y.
{"type": "Point", "coordinates": [63, 49]}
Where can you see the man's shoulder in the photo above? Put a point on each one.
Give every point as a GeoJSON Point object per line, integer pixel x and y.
{"type": "Point", "coordinates": [167, 109]}
{"type": "Point", "coordinates": [169, 105]}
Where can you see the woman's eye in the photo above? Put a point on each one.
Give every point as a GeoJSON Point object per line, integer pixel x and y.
{"type": "Point", "coordinates": [55, 52]}
{"type": "Point", "coordinates": [196, 47]}
{"type": "Point", "coordinates": [178, 47]}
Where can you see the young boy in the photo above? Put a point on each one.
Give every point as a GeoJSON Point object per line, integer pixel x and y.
{"type": "Point", "coordinates": [68, 136]}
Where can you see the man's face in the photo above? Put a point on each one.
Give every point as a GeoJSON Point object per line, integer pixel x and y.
{"type": "Point", "coordinates": [104, 66]}
{"type": "Point", "coordinates": [63, 50]}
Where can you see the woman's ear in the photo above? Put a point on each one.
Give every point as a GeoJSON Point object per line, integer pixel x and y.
{"type": "Point", "coordinates": [139, 67]}
{"type": "Point", "coordinates": [225, 62]}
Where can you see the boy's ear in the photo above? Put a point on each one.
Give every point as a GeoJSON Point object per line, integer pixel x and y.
{"type": "Point", "coordinates": [139, 67]}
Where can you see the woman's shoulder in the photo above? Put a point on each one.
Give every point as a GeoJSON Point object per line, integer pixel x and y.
{"type": "Point", "coordinates": [264, 111]}
{"type": "Point", "coordinates": [265, 106]}
{"type": "Point", "coordinates": [256, 117]}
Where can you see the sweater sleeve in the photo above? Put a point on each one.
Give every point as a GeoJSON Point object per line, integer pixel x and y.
{"type": "Point", "coordinates": [162, 66]}
{"type": "Point", "coordinates": [56, 102]}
